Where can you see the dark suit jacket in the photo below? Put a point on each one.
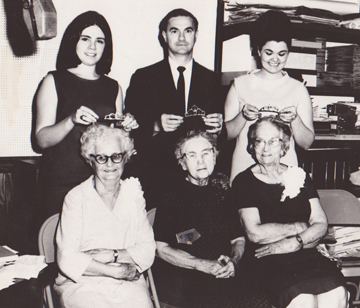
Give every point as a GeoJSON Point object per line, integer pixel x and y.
{"type": "Point", "coordinates": [152, 92]}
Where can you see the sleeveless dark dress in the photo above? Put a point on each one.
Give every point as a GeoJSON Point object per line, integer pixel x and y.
{"type": "Point", "coordinates": [62, 166]}
{"type": "Point", "coordinates": [283, 276]}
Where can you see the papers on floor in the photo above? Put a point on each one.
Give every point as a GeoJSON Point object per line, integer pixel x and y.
{"type": "Point", "coordinates": [24, 267]}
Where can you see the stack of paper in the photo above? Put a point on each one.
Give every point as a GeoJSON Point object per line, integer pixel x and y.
{"type": "Point", "coordinates": [321, 12]}
{"type": "Point", "coordinates": [342, 66]}
{"type": "Point", "coordinates": [347, 241]}
{"type": "Point", "coordinates": [25, 267]}
{"type": "Point", "coordinates": [336, 6]}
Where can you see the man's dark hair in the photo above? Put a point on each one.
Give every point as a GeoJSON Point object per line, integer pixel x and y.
{"type": "Point", "coordinates": [164, 23]}
{"type": "Point", "coordinates": [67, 57]}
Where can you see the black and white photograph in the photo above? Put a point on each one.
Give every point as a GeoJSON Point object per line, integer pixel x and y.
{"type": "Point", "coordinates": [180, 154]}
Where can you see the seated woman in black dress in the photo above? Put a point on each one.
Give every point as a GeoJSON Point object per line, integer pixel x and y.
{"type": "Point", "coordinates": [199, 238]}
{"type": "Point", "coordinates": [284, 222]}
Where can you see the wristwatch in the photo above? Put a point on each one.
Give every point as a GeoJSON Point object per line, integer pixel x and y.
{"type": "Point", "coordinates": [116, 254]}
{"type": "Point", "coordinates": [299, 239]}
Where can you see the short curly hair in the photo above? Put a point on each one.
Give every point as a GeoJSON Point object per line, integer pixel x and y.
{"type": "Point", "coordinates": [280, 125]}
{"type": "Point", "coordinates": [211, 138]}
{"type": "Point", "coordinates": [97, 132]}
{"type": "Point", "coordinates": [67, 57]}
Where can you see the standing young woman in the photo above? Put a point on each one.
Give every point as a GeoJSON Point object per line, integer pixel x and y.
{"type": "Point", "coordinates": [69, 99]}
{"type": "Point", "coordinates": [268, 89]}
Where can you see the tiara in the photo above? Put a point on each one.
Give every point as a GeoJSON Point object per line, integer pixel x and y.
{"type": "Point", "coordinates": [114, 116]}
{"type": "Point", "coordinates": [194, 111]}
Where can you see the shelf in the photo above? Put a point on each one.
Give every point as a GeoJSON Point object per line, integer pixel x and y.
{"type": "Point", "coordinates": [340, 137]}
{"type": "Point", "coordinates": [334, 91]}
{"type": "Point", "coordinates": [300, 31]}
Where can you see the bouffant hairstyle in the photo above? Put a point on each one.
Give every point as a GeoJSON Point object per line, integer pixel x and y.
{"type": "Point", "coordinates": [280, 125]}
{"type": "Point", "coordinates": [270, 26]}
{"type": "Point", "coordinates": [211, 138]}
{"type": "Point", "coordinates": [164, 23]}
{"type": "Point", "coordinates": [97, 132]}
{"type": "Point", "coordinates": [67, 57]}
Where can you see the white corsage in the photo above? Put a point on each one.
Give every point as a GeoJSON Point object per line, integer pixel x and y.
{"type": "Point", "coordinates": [131, 189]}
{"type": "Point", "coordinates": [293, 180]}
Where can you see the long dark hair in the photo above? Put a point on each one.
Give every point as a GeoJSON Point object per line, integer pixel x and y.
{"type": "Point", "coordinates": [67, 57]}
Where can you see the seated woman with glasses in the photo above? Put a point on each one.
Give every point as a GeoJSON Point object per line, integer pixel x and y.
{"type": "Point", "coordinates": [104, 240]}
{"type": "Point", "coordinates": [283, 219]}
{"type": "Point", "coordinates": [199, 239]}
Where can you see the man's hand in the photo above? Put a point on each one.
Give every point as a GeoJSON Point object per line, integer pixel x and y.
{"type": "Point", "coordinates": [171, 122]}
{"type": "Point", "coordinates": [215, 120]}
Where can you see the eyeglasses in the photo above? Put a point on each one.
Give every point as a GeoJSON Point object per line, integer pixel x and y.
{"type": "Point", "coordinates": [272, 143]}
{"type": "Point", "coordinates": [115, 158]}
{"type": "Point", "coordinates": [193, 157]}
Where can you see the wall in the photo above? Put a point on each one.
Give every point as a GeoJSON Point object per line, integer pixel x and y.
{"type": "Point", "coordinates": [134, 26]}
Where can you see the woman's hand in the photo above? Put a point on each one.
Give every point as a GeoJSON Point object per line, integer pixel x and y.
{"type": "Point", "coordinates": [126, 271]}
{"type": "Point", "coordinates": [250, 112]}
{"type": "Point", "coordinates": [208, 266]}
{"type": "Point", "coordinates": [130, 122]}
{"type": "Point", "coordinates": [286, 245]}
{"type": "Point", "coordinates": [101, 255]}
{"type": "Point", "coordinates": [228, 269]}
{"type": "Point", "coordinates": [214, 120]}
{"type": "Point", "coordinates": [84, 115]}
{"type": "Point", "coordinates": [288, 114]}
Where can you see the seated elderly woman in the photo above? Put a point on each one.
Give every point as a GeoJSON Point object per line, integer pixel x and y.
{"type": "Point", "coordinates": [199, 239]}
{"type": "Point", "coordinates": [104, 240]}
{"type": "Point", "coordinates": [284, 222]}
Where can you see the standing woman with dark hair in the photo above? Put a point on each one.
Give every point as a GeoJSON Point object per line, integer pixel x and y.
{"type": "Point", "coordinates": [69, 99]}
{"type": "Point", "coordinates": [268, 90]}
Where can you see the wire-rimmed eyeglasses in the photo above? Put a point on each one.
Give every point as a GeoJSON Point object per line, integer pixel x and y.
{"type": "Point", "coordinates": [115, 158]}
{"type": "Point", "coordinates": [193, 156]}
{"type": "Point", "coordinates": [272, 143]}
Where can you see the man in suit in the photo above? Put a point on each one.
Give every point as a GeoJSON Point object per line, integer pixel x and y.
{"type": "Point", "coordinates": [159, 96]}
